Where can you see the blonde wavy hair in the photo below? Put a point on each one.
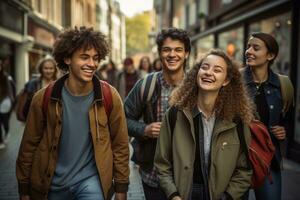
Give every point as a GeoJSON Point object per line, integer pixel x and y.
{"type": "Point", "coordinates": [232, 101]}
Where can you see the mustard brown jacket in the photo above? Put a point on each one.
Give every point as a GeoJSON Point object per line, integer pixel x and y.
{"type": "Point", "coordinates": [38, 151]}
{"type": "Point", "coordinates": [175, 156]}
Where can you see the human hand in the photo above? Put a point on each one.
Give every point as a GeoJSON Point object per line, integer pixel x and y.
{"type": "Point", "coordinates": [278, 132]}
{"type": "Point", "coordinates": [25, 197]}
{"type": "Point", "coordinates": [120, 196]}
{"type": "Point", "coordinates": [152, 130]}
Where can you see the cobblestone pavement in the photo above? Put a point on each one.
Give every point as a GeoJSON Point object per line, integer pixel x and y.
{"type": "Point", "coordinates": [8, 184]}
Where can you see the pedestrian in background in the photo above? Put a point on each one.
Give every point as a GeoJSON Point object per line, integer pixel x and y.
{"type": "Point", "coordinates": [264, 87]}
{"type": "Point", "coordinates": [47, 73]}
{"type": "Point", "coordinates": [112, 73]}
{"type": "Point", "coordinates": [157, 65]}
{"type": "Point", "coordinates": [76, 150]}
{"type": "Point", "coordinates": [174, 47]}
{"type": "Point", "coordinates": [201, 158]}
{"type": "Point", "coordinates": [7, 97]}
{"type": "Point", "coordinates": [127, 77]}
{"type": "Point", "coordinates": [145, 66]}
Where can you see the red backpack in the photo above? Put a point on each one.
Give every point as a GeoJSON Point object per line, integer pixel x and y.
{"type": "Point", "coordinates": [261, 151]}
{"type": "Point", "coordinates": [105, 88]}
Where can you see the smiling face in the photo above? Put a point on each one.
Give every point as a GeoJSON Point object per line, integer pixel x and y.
{"type": "Point", "coordinates": [257, 54]}
{"type": "Point", "coordinates": [173, 55]}
{"type": "Point", "coordinates": [83, 64]}
{"type": "Point", "coordinates": [212, 74]}
{"type": "Point", "coordinates": [48, 70]}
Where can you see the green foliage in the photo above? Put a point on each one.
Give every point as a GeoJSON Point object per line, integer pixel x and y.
{"type": "Point", "coordinates": [137, 29]}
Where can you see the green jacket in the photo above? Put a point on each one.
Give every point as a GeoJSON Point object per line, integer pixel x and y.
{"type": "Point", "coordinates": [228, 167]}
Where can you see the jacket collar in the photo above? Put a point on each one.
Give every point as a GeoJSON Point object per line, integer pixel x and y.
{"type": "Point", "coordinates": [219, 127]}
{"type": "Point", "coordinates": [58, 85]}
{"type": "Point", "coordinates": [272, 77]}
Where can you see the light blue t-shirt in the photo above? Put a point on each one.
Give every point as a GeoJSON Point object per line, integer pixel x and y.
{"type": "Point", "coordinates": [76, 160]}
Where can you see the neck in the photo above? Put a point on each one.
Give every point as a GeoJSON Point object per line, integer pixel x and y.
{"type": "Point", "coordinates": [206, 102]}
{"type": "Point", "coordinates": [78, 88]}
{"type": "Point", "coordinates": [46, 81]}
{"type": "Point", "coordinates": [174, 78]}
{"type": "Point", "coordinates": [260, 74]}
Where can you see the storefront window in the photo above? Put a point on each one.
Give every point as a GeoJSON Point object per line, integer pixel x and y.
{"type": "Point", "coordinates": [232, 43]}
{"type": "Point", "coordinates": [204, 45]}
{"type": "Point", "coordinates": [280, 27]}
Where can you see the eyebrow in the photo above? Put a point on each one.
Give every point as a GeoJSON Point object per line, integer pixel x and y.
{"type": "Point", "coordinates": [84, 54]}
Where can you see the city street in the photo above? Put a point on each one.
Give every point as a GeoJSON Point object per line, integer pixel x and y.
{"type": "Point", "coordinates": [8, 184]}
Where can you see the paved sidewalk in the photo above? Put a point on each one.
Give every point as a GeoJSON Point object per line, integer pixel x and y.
{"type": "Point", "coordinates": [8, 183]}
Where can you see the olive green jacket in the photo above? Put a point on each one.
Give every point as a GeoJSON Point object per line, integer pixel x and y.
{"type": "Point", "coordinates": [175, 157]}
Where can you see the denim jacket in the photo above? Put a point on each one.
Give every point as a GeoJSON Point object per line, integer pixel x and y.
{"type": "Point", "coordinates": [137, 108]}
{"type": "Point", "coordinates": [273, 97]}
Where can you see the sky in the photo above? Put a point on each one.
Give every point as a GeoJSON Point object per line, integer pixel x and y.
{"type": "Point", "coordinates": [132, 7]}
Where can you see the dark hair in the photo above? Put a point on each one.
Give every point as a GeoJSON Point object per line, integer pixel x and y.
{"type": "Point", "coordinates": [41, 63]}
{"type": "Point", "coordinates": [270, 43]}
{"type": "Point", "coordinates": [112, 64]}
{"type": "Point", "coordinates": [71, 40]}
{"type": "Point", "coordinates": [128, 61]}
{"type": "Point", "coordinates": [154, 64]}
{"type": "Point", "coordinates": [174, 34]}
{"type": "Point", "coordinates": [141, 63]}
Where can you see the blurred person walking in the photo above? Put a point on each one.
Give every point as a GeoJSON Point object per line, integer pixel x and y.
{"type": "Point", "coordinates": [7, 97]}
{"type": "Point", "coordinates": [127, 77]}
{"type": "Point", "coordinates": [264, 87]}
{"type": "Point", "coordinates": [78, 147]}
{"type": "Point", "coordinates": [156, 65]}
{"type": "Point", "coordinates": [198, 156]}
{"type": "Point", "coordinates": [145, 66]}
{"type": "Point", "coordinates": [47, 73]}
{"type": "Point", "coordinates": [148, 100]}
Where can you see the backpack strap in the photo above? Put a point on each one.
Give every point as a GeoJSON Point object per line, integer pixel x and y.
{"type": "Point", "coordinates": [148, 86]}
{"type": "Point", "coordinates": [46, 100]}
{"type": "Point", "coordinates": [287, 92]}
{"type": "Point", "coordinates": [107, 96]}
{"type": "Point", "coordinates": [240, 131]}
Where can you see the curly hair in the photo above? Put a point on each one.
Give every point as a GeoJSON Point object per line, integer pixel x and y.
{"type": "Point", "coordinates": [232, 101]}
{"type": "Point", "coordinates": [174, 34]}
{"type": "Point", "coordinates": [71, 40]}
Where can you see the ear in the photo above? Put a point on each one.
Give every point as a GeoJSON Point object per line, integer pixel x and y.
{"type": "Point", "coordinates": [187, 55]}
{"type": "Point", "coordinates": [226, 82]}
{"type": "Point", "coordinates": [67, 61]}
{"type": "Point", "coordinates": [270, 56]}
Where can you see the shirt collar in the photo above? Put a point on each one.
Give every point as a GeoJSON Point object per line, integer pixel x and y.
{"type": "Point", "coordinates": [272, 77]}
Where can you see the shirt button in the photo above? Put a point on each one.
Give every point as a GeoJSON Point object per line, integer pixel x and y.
{"type": "Point", "coordinates": [271, 106]}
{"type": "Point", "coordinates": [186, 167]}
{"type": "Point", "coordinates": [268, 92]}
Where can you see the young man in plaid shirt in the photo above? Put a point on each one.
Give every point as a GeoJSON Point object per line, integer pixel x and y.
{"type": "Point", "coordinates": [174, 48]}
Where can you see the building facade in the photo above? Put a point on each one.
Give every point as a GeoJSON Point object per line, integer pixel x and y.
{"type": "Point", "coordinates": [226, 24]}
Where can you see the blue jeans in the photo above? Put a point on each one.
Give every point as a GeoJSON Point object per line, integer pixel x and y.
{"type": "Point", "coordinates": [270, 191]}
{"type": "Point", "coordinates": [87, 189]}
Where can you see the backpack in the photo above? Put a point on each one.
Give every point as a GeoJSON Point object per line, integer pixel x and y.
{"type": "Point", "coordinates": [148, 86]}
{"type": "Point", "coordinates": [106, 92]}
{"type": "Point", "coordinates": [287, 92]}
{"type": "Point", "coordinates": [24, 99]}
{"type": "Point", "coordinates": [261, 151]}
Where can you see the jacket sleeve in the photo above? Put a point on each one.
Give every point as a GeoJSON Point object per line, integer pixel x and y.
{"type": "Point", "coordinates": [163, 159]}
{"type": "Point", "coordinates": [32, 136]}
{"type": "Point", "coordinates": [134, 110]}
{"type": "Point", "coordinates": [120, 145]}
{"type": "Point", "coordinates": [241, 178]}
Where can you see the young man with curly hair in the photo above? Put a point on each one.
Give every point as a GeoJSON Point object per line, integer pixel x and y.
{"type": "Point", "coordinates": [76, 150]}
{"type": "Point", "coordinates": [174, 48]}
